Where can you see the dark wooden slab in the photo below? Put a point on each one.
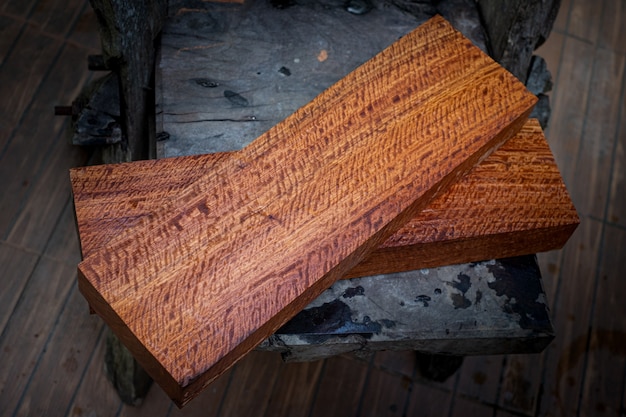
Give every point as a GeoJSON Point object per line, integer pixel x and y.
{"type": "Point", "coordinates": [521, 207]}
{"type": "Point", "coordinates": [199, 285]}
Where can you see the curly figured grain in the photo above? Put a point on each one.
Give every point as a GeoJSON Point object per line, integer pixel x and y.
{"type": "Point", "coordinates": [513, 203]}
{"type": "Point", "coordinates": [194, 287]}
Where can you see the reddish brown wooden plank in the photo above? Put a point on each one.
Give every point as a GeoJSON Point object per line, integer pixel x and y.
{"type": "Point", "coordinates": [257, 238]}
{"type": "Point", "coordinates": [513, 203]}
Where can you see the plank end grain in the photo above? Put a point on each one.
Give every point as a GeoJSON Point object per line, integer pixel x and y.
{"type": "Point", "coordinates": [253, 241]}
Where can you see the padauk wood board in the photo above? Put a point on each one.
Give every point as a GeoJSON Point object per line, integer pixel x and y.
{"type": "Point", "coordinates": [195, 287]}
{"type": "Point", "coordinates": [513, 203]}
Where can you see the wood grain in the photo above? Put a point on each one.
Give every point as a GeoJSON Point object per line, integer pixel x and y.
{"type": "Point", "coordinates": [513, 203]}
{"type": "Point", "coordinates": [249, 244]}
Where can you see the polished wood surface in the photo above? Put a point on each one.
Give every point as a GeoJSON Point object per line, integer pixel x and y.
{"type": "Point", "coordinates": [513, 203]}
{"type": "Point", "coordinates": [580, 373]}
{"type": "Point", "coordinates": [250, 243]}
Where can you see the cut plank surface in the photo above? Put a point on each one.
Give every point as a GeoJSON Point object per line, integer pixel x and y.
{"type": "Point", "coordinates": [228, 73]}
{"type": "Point", "coordinates": [250, 243]}
{"type": "Point", "coordinates": [513, 203]}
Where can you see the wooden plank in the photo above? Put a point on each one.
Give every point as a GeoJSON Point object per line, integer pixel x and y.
{"type": "Point", "coordinates": [9, 31]}
{"type": "Point", "coordinates": [462, 407]}
{"type": "Point", "coordinates": [595, 157]}
{"type": "Point", "coordinates": [603, 386]}
{"type": "Point", "coordinates": [20, 166]}
{"type": "Point", "coordinates": [479, 378]}
{"type": "Point", "coordinates": [428, 401]}
{"type": "Point", "coordinates": [62, 363]}
{"type": "Point", "coordinates": [584, 19]}
{"type": "Point", "coordinates": [294, 390]}
{"type": "Point", "coordinates": [257, 52]}
{"type": "Point", "coordinates": [25, 337]}
{"type": "Point", "coordinates": [18, 264]}
{"type": "Point", "coordinates": [519, 181]}
{"type": "Point", "coordinates": [31, 57]}
{"type": "Point", "coordinates": [570, 105]}
{"type": "Point", "coordinates": [56, 17]}
{"type": "Point", "coordinates": [342, 382]}
{"type": "Point", "coordinates": [612, 28]}
{"type": "Point", "coordinates": [85, 401]}
{"type": "Point", "coordinates": [307, 215]}
{"type": "Point", "coordinates": [521, 384]}
{"type": "Point", "coordinates": [385, 394]}
{"type": "Point", "coordinates": [40, 212]}
{"type": "Point", "coordinates": [457, 229]}
{"type": "Point", "coordinates": [255, 375]}
{"type": "Point", "coordinates": [617, 200]}
{"type": "Point", "coordinates": [209, 403]}
{"type": "Point", "coordinates": [564, 358]}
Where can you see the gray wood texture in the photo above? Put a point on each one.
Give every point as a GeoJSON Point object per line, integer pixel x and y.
{"type": "Point", "coordinates": [229, 72]}
{"type": "Point", "coordinates": [516, 29]}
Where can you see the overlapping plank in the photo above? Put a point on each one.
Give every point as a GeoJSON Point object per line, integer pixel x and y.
{"type": "Point", "coordinates": [251, 242]}
{"type": "Point", "coordinates": [513, 203]}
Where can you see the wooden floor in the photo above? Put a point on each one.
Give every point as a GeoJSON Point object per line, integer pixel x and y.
{"type": "Point", "coordinates": [51, 349]}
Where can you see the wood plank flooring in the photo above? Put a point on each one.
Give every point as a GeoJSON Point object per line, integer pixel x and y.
{"type": "Point", "coordinates": [52, 350]}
